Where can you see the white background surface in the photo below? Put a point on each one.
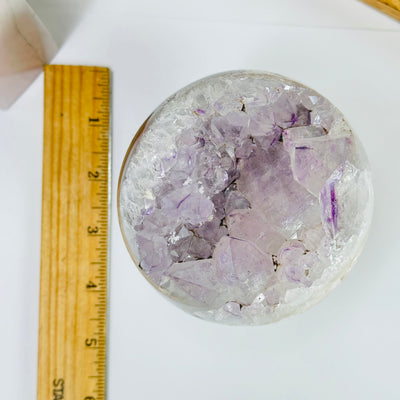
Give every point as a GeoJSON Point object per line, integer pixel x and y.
{"type": "Point", "coordinates": [347, 347]}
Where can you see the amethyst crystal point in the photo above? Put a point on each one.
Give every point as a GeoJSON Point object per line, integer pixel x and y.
{"type": "Point", "coordinates": [245, 198]}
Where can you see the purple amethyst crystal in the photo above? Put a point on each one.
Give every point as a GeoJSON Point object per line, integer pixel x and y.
{"type": "Point", "coordinates": [246, 198]}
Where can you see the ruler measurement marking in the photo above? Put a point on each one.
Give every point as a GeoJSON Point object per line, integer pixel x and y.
{"type": "Point", "coordinates": [64, 296]}
{"type": "Point", "coordinates": [68, 236]}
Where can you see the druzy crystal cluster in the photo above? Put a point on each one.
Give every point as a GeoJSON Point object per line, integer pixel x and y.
{"type": "Point", "coordinates": [245, 198]}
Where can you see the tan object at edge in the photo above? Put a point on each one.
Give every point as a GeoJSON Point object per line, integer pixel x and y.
{"type": "Point", "coordinates": [389, 7]}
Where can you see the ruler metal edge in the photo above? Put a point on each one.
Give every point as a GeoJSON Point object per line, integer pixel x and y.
{"type": "Point", "coordinates": [56, 393]}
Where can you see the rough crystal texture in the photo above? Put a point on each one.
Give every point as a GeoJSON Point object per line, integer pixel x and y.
{"type": "Point", "coordinates": [246, 198]}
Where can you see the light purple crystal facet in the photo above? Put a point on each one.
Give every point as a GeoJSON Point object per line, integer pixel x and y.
{"type": "Point", "coordinates": [246, 198]}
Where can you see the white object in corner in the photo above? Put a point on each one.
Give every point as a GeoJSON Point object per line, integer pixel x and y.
{"type": "Point", "coordinates": [25, 46]}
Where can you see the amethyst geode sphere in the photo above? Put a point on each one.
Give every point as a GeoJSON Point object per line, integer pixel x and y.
{"type": "Point", "coordinates": [245, 197]}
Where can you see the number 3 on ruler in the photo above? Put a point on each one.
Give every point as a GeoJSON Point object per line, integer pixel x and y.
{"type": "Point", "coordinates": [93, 230]}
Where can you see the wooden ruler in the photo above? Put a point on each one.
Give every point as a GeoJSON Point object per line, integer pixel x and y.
{"type": "Point", "coordinates": [75, 216]}
{"type": "Point", "coordinates": [390, 7]}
